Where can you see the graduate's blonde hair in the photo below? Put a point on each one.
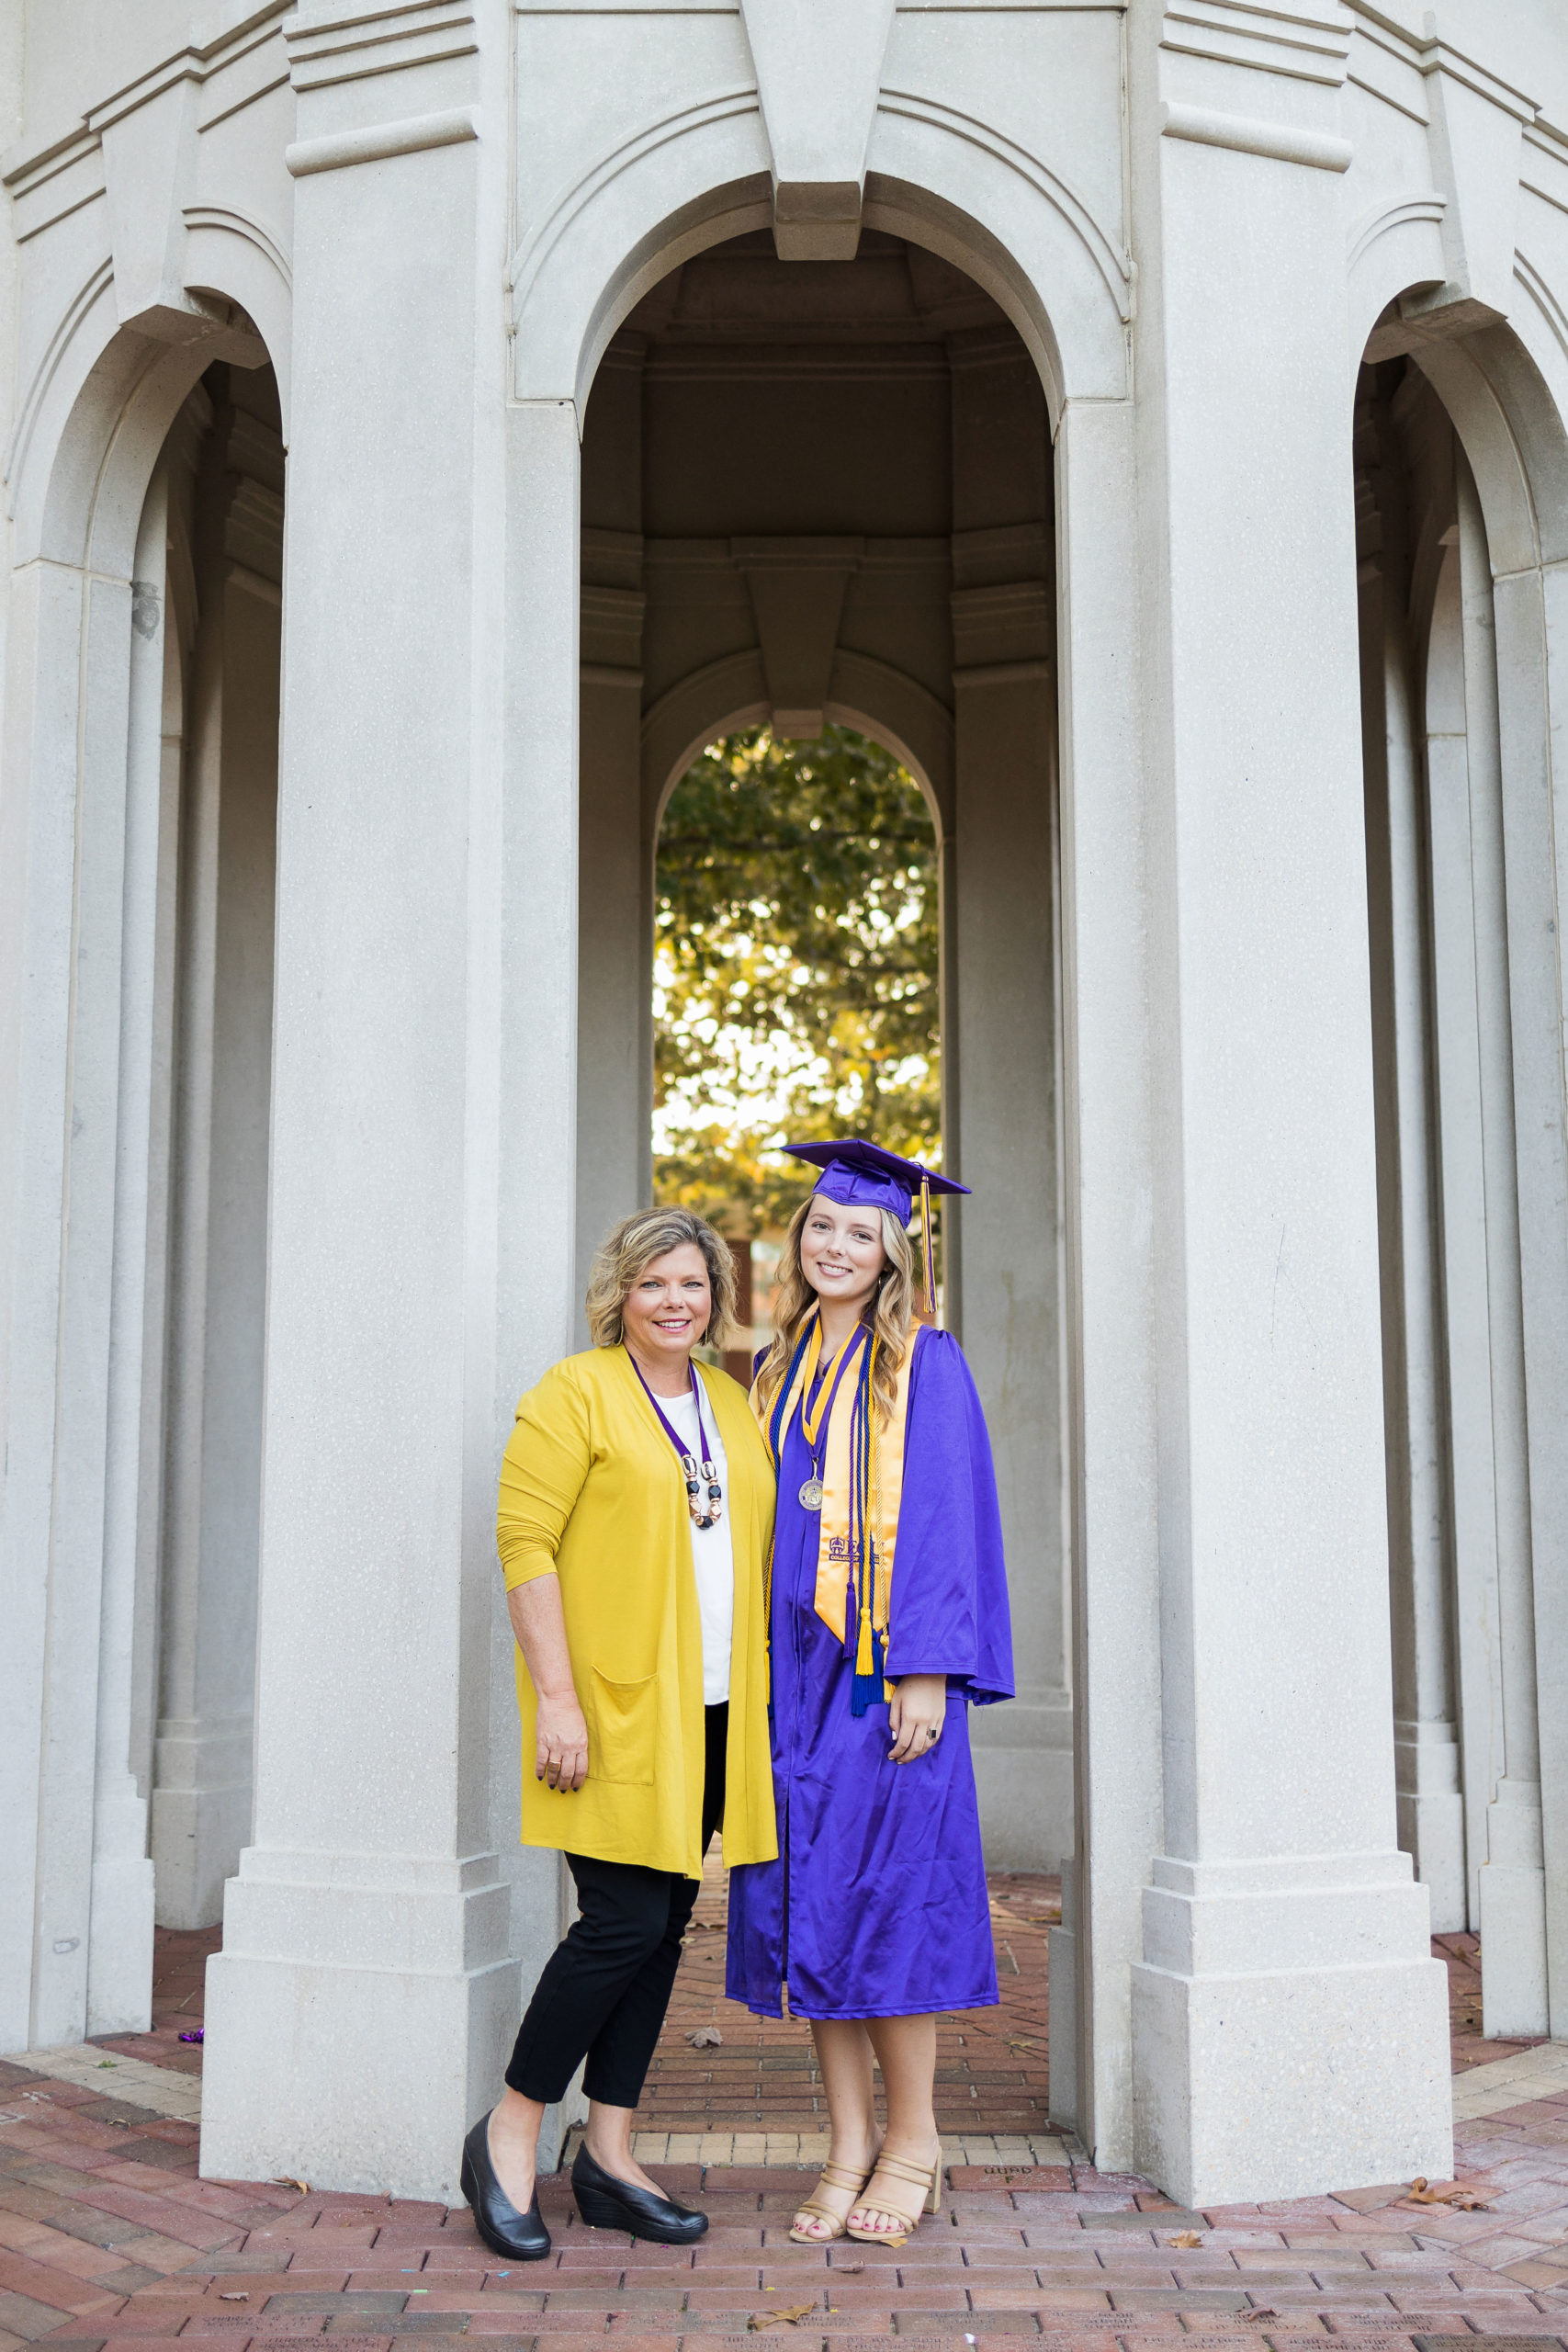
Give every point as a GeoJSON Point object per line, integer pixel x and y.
{"type": "Point", "coordinates": [892, 1311]}
{"type": "Point", "coordinates": [638, 1242]}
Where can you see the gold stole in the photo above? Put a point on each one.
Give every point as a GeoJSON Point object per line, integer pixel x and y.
{"type": "Point", "coordinates": [834, 1563]}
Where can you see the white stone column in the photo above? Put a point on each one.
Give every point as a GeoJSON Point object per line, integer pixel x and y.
{"type": "Point", "coordinates": [1007, 988]}
{"type": "Point", "coordinates": [119, 1960]}
{"type": "Point", "coordinates": [1513, 1879]}
{"type": "Point", "coordinates": [361, 2010]}
{"type": "Point", "coordinates": [1108, 1175]}
{"type": "Point", "coordinates": [202, 1794]}
{"type": "Point", "coordinates": [64, 858]}
{"type": "Point", "coordinates": [1008, 1245]}
{"type": "Point", "coordinates": [529, 1069]}
{"type": "Point", "coordinates": [614, 981]}
{"type": "Point", "coordinates": [1467, 1307]}
{"type": "Point", "coordinates": [1430, 1809]}
{"type": "Point", "coordinates": [1285, 1941]}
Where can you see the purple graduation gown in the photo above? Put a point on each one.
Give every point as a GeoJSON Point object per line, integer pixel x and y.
{"type": "Point", "coordinates": [877, 1905]}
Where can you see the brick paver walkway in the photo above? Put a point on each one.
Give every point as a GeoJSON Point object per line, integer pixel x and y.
{"type": "Point", "coordinates": [991, 2063]}
{"type": "Point", "coordinates": [179, 1985]}
{"type": "Point", "coordinates": [109, 2242]}
{"type": "Point", "coordinates": [1462, 1954]}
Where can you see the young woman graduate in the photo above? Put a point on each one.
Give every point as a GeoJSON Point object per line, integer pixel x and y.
{"type": "Point", "coordinates": [888, 1618]}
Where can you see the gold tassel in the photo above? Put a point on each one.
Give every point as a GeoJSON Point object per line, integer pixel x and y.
{"type": "Point", "coordinates": [862, 1653]}
{"type": "Point", "coordinates": [930, 1248]}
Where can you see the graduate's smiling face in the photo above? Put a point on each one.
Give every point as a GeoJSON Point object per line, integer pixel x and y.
{"type": "Point", "coordinates": [842, 1254]}
{"type": "Point", "coordinates": [669, 1306]}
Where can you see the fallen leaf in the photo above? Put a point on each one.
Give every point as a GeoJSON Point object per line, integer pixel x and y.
{"type": "Point", "coordinates": [706, 2037]}
{"type": "Point", "coordinates": [848, 2269]}
{"type": "Point", "coordinates": [1186, 2238]}
{"type": "Point", "coordinates": [1463, 2200]}
{"type": "Point", "coordinates": [1264, 2310]}
{"type": "Point", "coordinates": [760, 2320]}
{"type": "Point", "coordinates": [283, 2181]}
{"type": "Point", "coordinates": [233, 2295]}
{"type": "Point", "coordinates": [107, 2062]}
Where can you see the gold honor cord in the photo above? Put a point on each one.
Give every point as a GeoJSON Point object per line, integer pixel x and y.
{"type": "Point", "coordinates": [872, 1600]}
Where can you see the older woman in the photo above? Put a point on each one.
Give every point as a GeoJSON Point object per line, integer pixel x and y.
{"type": "Point", "coordinates": [889, 1613]}
{"type": "Point", "coordinates": [635, 1517]}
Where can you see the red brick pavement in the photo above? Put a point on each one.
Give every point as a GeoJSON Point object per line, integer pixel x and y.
{"type": "Point", "coordinates": [1463, 1955]}
{"type": "Point", "coordinates": [991, 2063]}
{"type": "Point", "coordinates": [110, 2241]}
{"type": "Point", "coordinates": [991, 2074]}
{"type": "Point", "coordinates": [179, 1983]}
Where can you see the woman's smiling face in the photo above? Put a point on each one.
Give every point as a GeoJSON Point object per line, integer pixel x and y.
{"type": "Point", "coordinates": [669, 1306]}
{"type": "Point", "coordinates": [841, 1250]}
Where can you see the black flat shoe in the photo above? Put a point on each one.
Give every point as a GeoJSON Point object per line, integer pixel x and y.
{"type": "Point", "coordinates": [521, 2237]}
{"type": "Point", "coordinates": [606, 2203]}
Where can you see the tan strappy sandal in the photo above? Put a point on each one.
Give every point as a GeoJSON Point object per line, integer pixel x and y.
{"type": "Point", "coordinates": [832, 2176]}
{"type": "Point", "coordinates": [926, 2178]}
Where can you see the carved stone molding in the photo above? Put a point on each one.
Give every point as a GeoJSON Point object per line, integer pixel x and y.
{"type": "Point", "coordinates": [337, 150]}
{"type": "Point", "coordinates": [1006, 623]}
{"type": "Point", "coordinates": [818, 80]}
{"type": "Point", "coordinates": [797, 595]}
{"type": "Point", "coordinates": [1287, 142]}
{"type": "Point", "coordinates": [347, 40]}
{"type": "Point", "coordinates": [1306, 45]}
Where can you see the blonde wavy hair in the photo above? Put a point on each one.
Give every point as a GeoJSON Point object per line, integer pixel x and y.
{"type": "Point", "coordinates": [892, 1311]}
{"type": "Point", "coordinates": [625, 1256]}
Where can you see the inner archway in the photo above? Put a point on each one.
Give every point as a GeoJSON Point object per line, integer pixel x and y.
{"type": "Point", "coordinates": [796, 981]}
{"type": "Point", "coordinates": [819, 496]}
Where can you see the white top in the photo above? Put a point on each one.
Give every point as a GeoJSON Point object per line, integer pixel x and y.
{"type": "Point", "coordinates": [712, 1554]}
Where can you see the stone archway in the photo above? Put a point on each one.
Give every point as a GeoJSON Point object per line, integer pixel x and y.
{"type": "Point", "coordinates": [1460, 479]}
{"type": "Point", "coordinates": [827, 488]}
{"type": "Point", "coordinates": [86, 858]}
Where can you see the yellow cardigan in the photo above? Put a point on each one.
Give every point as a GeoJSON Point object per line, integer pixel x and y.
{"type": "Point", "coordinates": [591, 1489]}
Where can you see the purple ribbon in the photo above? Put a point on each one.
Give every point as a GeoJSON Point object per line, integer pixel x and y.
{"type": "Point", "coordinates": [845, 1358]}
{"type": "Point", "coordinates": [683, 1451]}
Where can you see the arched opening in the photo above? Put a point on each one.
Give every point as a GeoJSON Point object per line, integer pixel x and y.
{"type": "Point", "coordinates": [222, 474]}
{"type": "Point", "coordinates": [206, 621]}
{"type": "Point", "coordinates": [797, 981]}
{"type": "Point", "coordinates": [1456, 638]}
{"type": "Point", "coordinates": [820, 496]}
{"type": "Point", "coordinates": [159, 505]}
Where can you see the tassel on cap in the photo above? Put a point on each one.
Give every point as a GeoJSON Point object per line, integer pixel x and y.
{"type": "Point", "coordinates": [858, 1173]}
{"type": "Point", "coordinates": [930, 1248]}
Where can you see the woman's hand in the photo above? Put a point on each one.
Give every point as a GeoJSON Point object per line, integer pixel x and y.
{"type": "Point", "coordinates": [560, 1735]}
{"type": "Point", "coordinates": [560, 1743]}
{"type": "Point", "coordinates": [915, 1713]}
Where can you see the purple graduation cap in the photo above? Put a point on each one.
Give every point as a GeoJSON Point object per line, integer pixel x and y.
{"type": "Point", "coordinates": [858, 1174]}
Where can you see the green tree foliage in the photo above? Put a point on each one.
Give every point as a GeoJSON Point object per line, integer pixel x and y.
{"type": "Point", "coordinates": [795, 985]}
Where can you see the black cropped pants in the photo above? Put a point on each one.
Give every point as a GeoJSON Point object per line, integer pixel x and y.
{"type": "Point", "coordinates": [603, 1993]}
